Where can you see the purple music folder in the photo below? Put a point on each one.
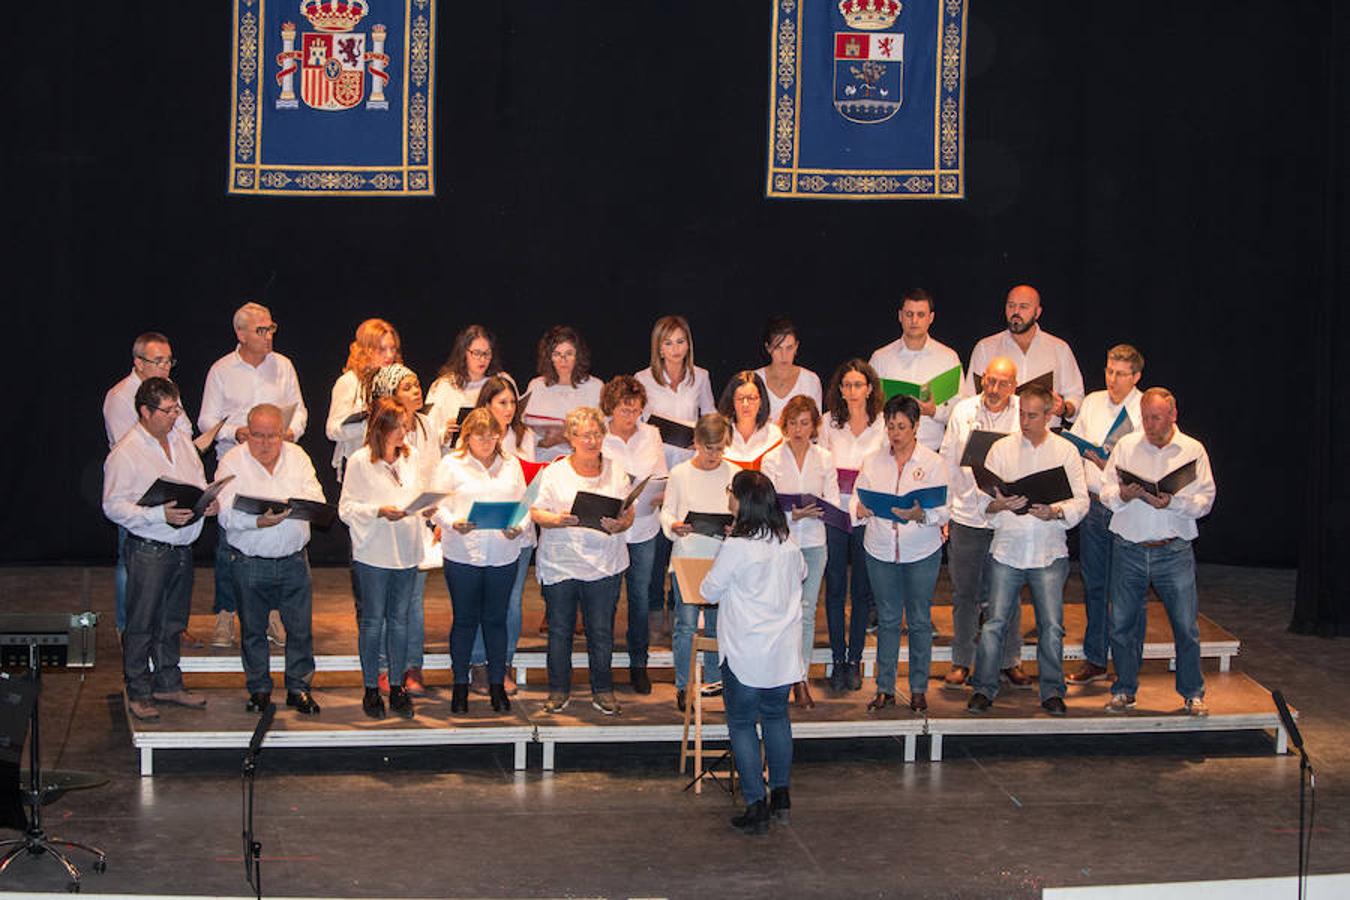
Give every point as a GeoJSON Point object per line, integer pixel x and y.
{"type": "Point", "coordinates": [833, 516]}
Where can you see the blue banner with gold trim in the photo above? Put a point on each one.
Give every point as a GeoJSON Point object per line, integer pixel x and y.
{"type": "Point", "coordinates": [333, 98]}
{"type": "Point", "coordinates": [867, 99]}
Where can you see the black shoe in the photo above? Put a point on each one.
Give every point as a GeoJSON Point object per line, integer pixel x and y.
{"type": "Point", "coordinates": [302, 702]}
{"type": "Point", "coordinates": [637, 677]}
{"type": "Point", "coordinates": [497, 694]}
{"type": "Point", "coordinates": [459, 698]}
{"type": "Point", "coordinates": [855, 676]}
{"type": "Point", "coordinates": [755, 819]}
{"type": "Point", "coordinates": [679, 699]}
{"type": "Point", "coordinates": [372, 703]}
{"type": "Point", "coordinates": [258, 702]}
{"type": "Point", "coordinates": [872, 620]}
{"type": "Point", "coordinates": [978, 703]}
{"type": "Point", "coordinates": [400, 701]}
{"type": "Point", "coordinates": [1055, 706]}
{"type": "Point", "coordinates": [839, 676]}
{"type": "Point", "coordinates": [779, 805]}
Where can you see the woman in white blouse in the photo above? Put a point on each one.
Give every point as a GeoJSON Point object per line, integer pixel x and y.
{"type": "Point", "coordinates": [480, 563]}
{"type": "Point", "coordinates": [498, 397]}
{"type": "Point", "coordinates": [853, 430]}
{"type": "Point", "coordinates": [376, 344]}
{"type": "Point", "coordinates": [472, 360]}
{"type": "Point", "coordinates": [745, 404]}
{"type": "Point", "coordinates": [697, 485]}
{"type": "Point", "coordinates": [782, 376]}
{"type": "Point", "coordinates": [580, 565]}
{"type": "Point", "coordinates": [800, 466]}
{"type": "Point", "coordinates": [756, 582]}
{"type": "Point", "coordinates": [564, 383]}
{"type": "Point", "coordinates": [636, 448]}
{"type": "Point", "coordinates": [903, 557]}
{"type": "Point", "coordinates": [386, 549]}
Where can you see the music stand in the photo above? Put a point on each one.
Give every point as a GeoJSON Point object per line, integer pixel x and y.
{"type": "Point", "coordinates": [47, 638]}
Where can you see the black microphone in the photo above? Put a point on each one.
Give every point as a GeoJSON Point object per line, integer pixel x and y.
{"type": "Point", "coordinates": [1287, 719]}
{"type": "Point", "coordinates": [268, 714]}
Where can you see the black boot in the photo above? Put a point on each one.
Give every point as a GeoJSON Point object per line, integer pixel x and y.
{"type": "Point", "coordinates": [400, 701]}
{"type": "Point", "coordinates": [755, 819]}
{"type": "Point", "coordinates": [372, 703]}
{"type": "Point", "coordinates": [459, 698]}
{"type": "Point", "coordinates": [779, 804]}
{"type": "Point", "coordinates": [497, 694]}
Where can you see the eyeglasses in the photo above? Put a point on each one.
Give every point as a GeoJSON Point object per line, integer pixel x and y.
{"type": "Point", "coordinates": [564, 354]}
{"type": "Point", "coordinates": [162, 362]}
{"type": "Point", "coordinates": [481, 354]}
{"type": "Point", "coordinates": [259, 436]}
{"type": "Point", "coordinates": [588, 436]}
{"type": "Point", "coordinates": [170, 410]}
{"type": "Point", "coordinates": [265, 330]}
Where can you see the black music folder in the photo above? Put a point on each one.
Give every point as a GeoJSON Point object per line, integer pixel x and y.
{"type": "Point", "coordinates": [186, 496]}
{"type": "Point", "coordinates": [590, 508]}
{"type": "Point", "coordinates": [977, 447]}
{"type": "Point", "coordinates": [711, 524]}
{"type": "Point", "coordinates": [1169, 484]}
{"type": "Point", "coordinates": [1046, 381]}
{"type": "Point", "coordinates": [673, 433]}
{"type": "Point", "coordinates": [1045, 487]}
{"type": "Point", "coordinates": [316, 512]}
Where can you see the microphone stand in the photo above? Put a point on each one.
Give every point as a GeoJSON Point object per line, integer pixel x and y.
{"type": "Point", "coordinates": [1307, 783]}
{"type": "Point", "coordinates": [253, 848]}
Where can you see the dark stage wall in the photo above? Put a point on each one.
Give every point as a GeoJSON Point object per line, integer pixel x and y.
{"type": "Point", "coordinates": [1163, 172]}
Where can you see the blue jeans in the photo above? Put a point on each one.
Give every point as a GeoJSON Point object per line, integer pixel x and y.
{"type": "Point", "coordinates": [225, 600]}
{"type": "Point", "coordinates": [386, 595]}
{"type": "Point", "coordinates": [682, 637]}
{"type": "Point", "coordinates": [844, 549]}
{"type": "Point", "coordinates": [417, 616]}
{"type": "Point", "coordinates": [479, 657]}
{"type": "Point", "coordinates": [1094, 561]}
{"type": "Point", "coordinates": [120, 581]}
{"type": "Point", "coordinates": [1171, 570]}
{"type": "Point", "coordinates": [904, 588]}
{"type": "Point", "coordinates": [1047, 597]}
{"type": "Point", "coordinates": [159, 597]}
{"type": "Point", "coordinates": [768, 706]}
{"type": "Point", "coordinates": [815, 570]}
{"type": "Point", "coordinates": [284, 585]}
{"type": "Point", "coordinates": [638, 587]}
{"type": "Point", "coordinates": [598, 600]}
{"type": "Point", "coordinates": [480, 596]}
{"type": "Point", "coordinates": [968, 565]}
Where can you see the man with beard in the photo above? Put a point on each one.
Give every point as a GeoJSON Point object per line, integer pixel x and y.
{"type": "Point", "coordinates": [1034, 351]}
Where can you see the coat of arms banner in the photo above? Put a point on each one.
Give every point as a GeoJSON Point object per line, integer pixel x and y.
{"type": "Point", "coordinates": [333, 97]}
{"type": "Point", "coordinates": [867, 99]}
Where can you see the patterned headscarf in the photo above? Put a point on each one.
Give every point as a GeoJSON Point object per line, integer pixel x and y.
{"type": "Point", "coordinates": [387, 380]}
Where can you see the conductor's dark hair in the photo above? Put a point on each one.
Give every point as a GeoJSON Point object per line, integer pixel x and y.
{"type": "Point", "coordinates": [758, 514]}
{"type": "Point", "coordinates": [902, 405]}
{"type": "Point", "coordinates": [153, 392]}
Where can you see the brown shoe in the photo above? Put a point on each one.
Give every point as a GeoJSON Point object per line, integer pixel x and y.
{"type": "Point", "coordinates": [413, 683]}
{"type": "Point", "coordinates": [956, 677]}
{"type": "Point", "coordinates": [1087, 673]}
{"type": "Point", "coordinates": [801, 696]}
{"type": "Point", "coordinates": [1019, 679]}
{"type": "Point", "coordinates": [918, 702]}
{"type": "Point", "coordinates": [181, 698]}
{"type": "Point", "coordinates": [478, 682]}
{"type": "Point", "coordinates": [509, 684]}
{"type": "Point", "coordinates": [143, 710]}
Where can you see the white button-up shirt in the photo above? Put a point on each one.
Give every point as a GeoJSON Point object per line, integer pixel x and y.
{"type": "Point", "coordinates": [119, 410]}
{"type": "Point", "coordinates": [134, 464]}
{"type": "Point", "coordinates": [640, 456]}
{"type": "Point", "coordinates": [1025, 542]}
{"type": "Point", "coordinates": [575, 552]}
{"type": "Point", "coordinates": [970, 415]}
{"type": "Point", "coordinates": [1136, 520]}
{"type": "Point", "coordinates": [695, 490]}
{"type": "Point", "coordinates": [806, 385]}
{"type": "Point", "coordinates": [761, 441]}
{"type": "Point", "coordinates": [816, 475]}
{"type": "Point", "coordinates": [897, 362]}
{"type": "Point", "coordinates": [686, 402]}
{"type": "Point", "coordinates": [555, 401]}
{"type": "Point", "coordinates": [369, 485]}
{"type": "Point", "coordinates": [293, 476]}
{"type": "Point", "coordinates": [1047, 353]}
{"type": "Point", "coordinates": [233, 387]}
{"type": "Point", "coordinates": [848, 450]}
{"type": "Point", "coordinates": [757, 586]}
{"type": "Point", "coordinates": [896, 542]}
{"type": "Point", "coordinates": [469, 481]}
{"type": "Point", "coordinates": [1094, 422]}
{"type": "Point", "coordinates": [346, 399]}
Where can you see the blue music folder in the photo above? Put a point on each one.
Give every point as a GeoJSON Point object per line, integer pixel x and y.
{"type": "Point", "coordinates": [880, 503]}
{"type": "Point", "coordinates": [492, 514]}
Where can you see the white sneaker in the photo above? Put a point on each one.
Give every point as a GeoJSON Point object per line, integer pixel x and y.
{"type": "Point", "coordinates": [223, 636]}
{"type": "Point", "coordinates": [276, 632]}
{"type": "Point", "coordinates": [1196, 707]}
{"type": "Point", "coordinates": [1119, 703]}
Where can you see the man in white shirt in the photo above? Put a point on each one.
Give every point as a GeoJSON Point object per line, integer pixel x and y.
{"type": "Point", "coordinates": [1095, 424]}
{"type": "Point", "coordinates": [916, 357]}
{"type": "Point", "coordinates": [1152, 535]}
{"type": "Point", "coordinates": [995, 409]}
{"type": "Point", "coordinates": [1029, 547]}
{"type": "Point", "coordinates": [1035, 352]}
{"type": "Point", "coordinates": [268, 558]}
{"type": "Point", "coordinates": [158, 547]}
{"type": "Point", "coordinates": [151, 357]}
{"type": "Point", "coordinates": [241, 379]}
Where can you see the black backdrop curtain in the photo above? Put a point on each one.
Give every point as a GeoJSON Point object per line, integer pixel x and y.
{"type": "Point", "coordinates": [1163, 172]}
